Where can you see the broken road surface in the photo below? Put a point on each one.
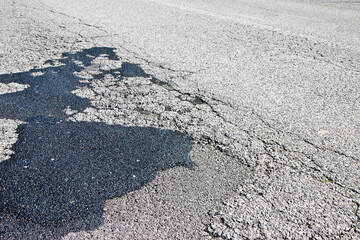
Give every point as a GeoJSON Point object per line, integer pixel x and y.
{"type": "Point", "coordinates": [167, 119]}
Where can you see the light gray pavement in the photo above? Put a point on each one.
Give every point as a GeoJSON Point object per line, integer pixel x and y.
{"type": "Point", "coordinates": [268, 91]}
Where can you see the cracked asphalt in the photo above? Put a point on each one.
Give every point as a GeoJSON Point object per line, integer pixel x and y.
{"type": "Point", "coordinates": [167, 119]}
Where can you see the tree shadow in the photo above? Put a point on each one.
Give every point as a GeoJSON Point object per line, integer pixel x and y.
{"type": "Point", "coordinates": [62, 172]}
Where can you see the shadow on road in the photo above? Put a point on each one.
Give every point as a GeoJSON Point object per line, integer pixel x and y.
{"type": "Point", "coordinates": [62, 172]}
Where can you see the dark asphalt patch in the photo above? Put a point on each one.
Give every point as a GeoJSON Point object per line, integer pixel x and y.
{"type": "Point", "coordinates": [62, 172]}
{"type": "Point", "coordinates": [50, 90]}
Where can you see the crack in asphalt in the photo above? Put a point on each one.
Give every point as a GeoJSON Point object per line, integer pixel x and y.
{"type": "Point", "coordinates": [186, 74]}
{"type": "Point", "coordinates": [195, 100]}
{"type": "Point", "coordinates": [81, 21]}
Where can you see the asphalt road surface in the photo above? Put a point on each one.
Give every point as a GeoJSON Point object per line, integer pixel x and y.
{"type": "Point", "coordinates": [169, 119]}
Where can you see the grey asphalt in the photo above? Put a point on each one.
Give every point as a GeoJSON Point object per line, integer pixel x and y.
{"type": "Point", "coordinates": [166, 119]}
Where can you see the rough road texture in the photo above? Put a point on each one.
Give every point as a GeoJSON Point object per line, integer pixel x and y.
{"type": "Point", "coordinates": [272, 104]}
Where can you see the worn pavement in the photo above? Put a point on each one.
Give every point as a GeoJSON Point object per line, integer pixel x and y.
{"type": "Point", "coordinates": [167, 119]}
